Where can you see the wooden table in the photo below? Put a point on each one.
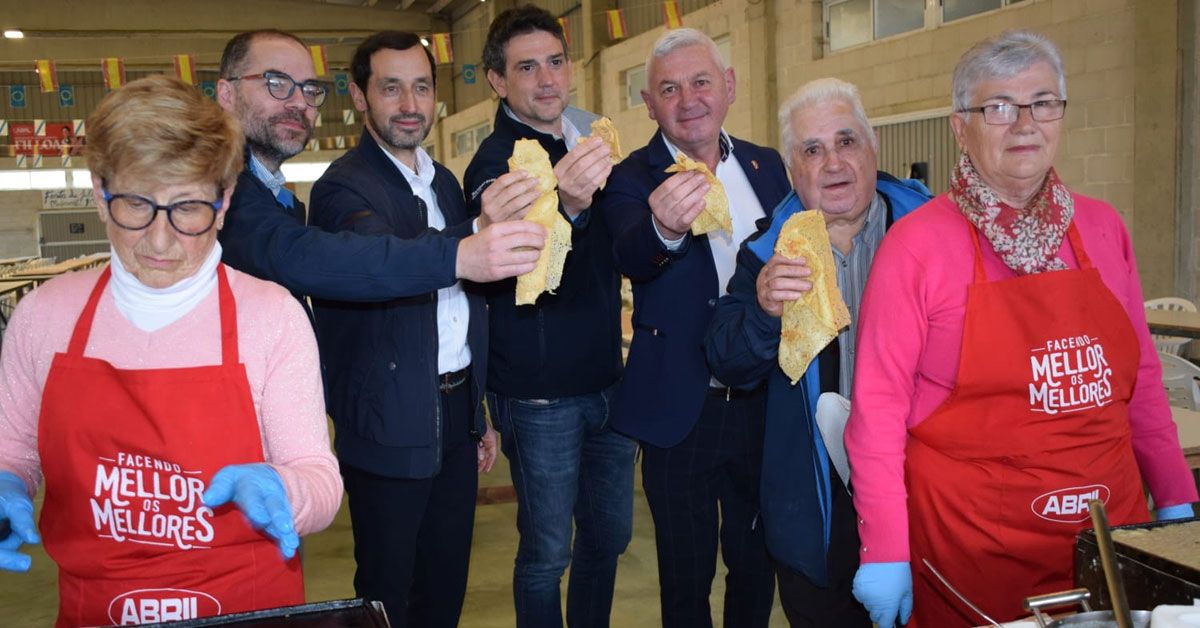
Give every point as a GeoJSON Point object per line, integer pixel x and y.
{"type": "Point", "coordinates": [17, 288]}
{"type": "Point", "coordinates": [43, 273]}
{"type": "Point", "coordinates": [1173, 323]}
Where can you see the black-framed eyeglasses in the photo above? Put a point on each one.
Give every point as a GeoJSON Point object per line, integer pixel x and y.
{"type": "Point", "coordinates": [281, 86]}
{"type": "Point", "coordinates": [135, 212]}
{"type": "Point", "coordinates": [1000, 113]}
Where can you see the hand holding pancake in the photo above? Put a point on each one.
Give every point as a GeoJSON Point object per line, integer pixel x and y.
{"type": "Point", "coordinates": [782, 280]}
{"type": "Point", "coordinates": [676, 203]}
{"type": "Point", "coordinates": [581, 172]}
{"type": "Point", "coordinates": [509, 197]}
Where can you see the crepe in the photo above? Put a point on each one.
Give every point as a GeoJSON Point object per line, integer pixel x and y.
{"type": "Point", "coordinates": [813, 320]}
{"type": "Point", "coordinates": [604, 129]}
{"type": "Point", "coordinates": [715, 214]}
{"type": "Point", "coordinates": [528, 155]}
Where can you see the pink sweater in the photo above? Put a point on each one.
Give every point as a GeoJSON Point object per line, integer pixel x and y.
{"type": "Point", "coordinates": [276, 344]}
{"type": "Point", "coordinates": [910, 332]}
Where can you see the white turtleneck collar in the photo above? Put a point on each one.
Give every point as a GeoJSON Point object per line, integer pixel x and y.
{"type": "Point", "coordinates": [151, 309]}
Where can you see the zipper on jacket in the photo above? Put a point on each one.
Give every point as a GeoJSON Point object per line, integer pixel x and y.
{"type": "Point", "coordinates": [423, 213]}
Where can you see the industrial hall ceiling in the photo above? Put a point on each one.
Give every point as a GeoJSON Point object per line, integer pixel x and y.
{"type": "Point", "coordinates": [144, 33]}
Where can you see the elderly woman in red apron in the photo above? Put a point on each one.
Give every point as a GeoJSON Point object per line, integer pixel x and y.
{"type": "Point", "coordinates": [172, 405]}
{"type": "Point", "coordinates": [1005, 372]}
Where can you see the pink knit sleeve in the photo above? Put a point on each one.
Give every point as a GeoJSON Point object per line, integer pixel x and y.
{"type": "Point", "coordinates": [1155, 437]}
{"type": "Point", "coordinates": [21, 396]}
{"type": "Point", "coordinates": [891, 337]}
{"type": "Point", "coordinates": [295, 432]}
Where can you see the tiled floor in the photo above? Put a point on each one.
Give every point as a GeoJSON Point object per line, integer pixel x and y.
{"type": "Point", "coordinates": [31, 599]}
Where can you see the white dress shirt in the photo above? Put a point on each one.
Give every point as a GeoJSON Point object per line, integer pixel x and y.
{"type": "Point", "coordinates": [453, 311]}
{"type": "Point", "coordinates": [744, 210]}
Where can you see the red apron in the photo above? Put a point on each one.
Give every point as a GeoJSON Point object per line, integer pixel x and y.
{"type": "Point", "coordinates": [126, 456]}
{"type": "Point", "coordinates": [999, 476]}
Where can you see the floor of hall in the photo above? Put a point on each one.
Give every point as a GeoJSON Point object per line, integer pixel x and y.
{"type": "Point", "coordinates": [31, 599]}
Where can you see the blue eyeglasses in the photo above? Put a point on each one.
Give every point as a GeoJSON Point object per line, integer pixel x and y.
{"type": "Point", "coordinates": [135, 212]}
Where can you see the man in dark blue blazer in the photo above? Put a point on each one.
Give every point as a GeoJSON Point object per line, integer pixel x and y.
{"type": "Point", "coordinates": [268, 82]}
{"type": "Point", "coordinates": [702, 441]}
{"type": "Point", "coordinates": [405, 376]}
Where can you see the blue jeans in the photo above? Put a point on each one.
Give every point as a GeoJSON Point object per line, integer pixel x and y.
{"type": "Point", "coordinates": [566, 463]}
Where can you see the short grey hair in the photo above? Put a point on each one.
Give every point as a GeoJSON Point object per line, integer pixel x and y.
{"type": "Point", "coordinates": [1004, 56]}
{"type": "Point", "coordinates": [677, 38]}
{"type": "Point", "coordinates": [818, 92]}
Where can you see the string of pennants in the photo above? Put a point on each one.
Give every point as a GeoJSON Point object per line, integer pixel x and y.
{"type": "Point", "coordinates": [441, 47]}
{"type": "Point", "coordinates": [443, 52]}
{"type": "Point", "coordinates": [31, 141]}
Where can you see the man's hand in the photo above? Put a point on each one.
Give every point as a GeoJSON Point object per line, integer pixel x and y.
{"type": "Point", "coordinates": [581, 172]}
{"type": "Point", "coordinates": [781, 281]}
{"type": "Point", "coordinates": [500, 251]}
{"type": "Point", "coordinates": [487, 451]}
{"type": "Point", "coordinates": [677, 202]}
{"type": "Point", "coordinates": [509, 197]}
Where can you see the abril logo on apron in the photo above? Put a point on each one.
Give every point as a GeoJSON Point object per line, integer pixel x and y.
{"type": "Point", "coordinates": [141, 499]}
{"type": "Point", "coordinates": [1068, 375]}
{"type": "Point", "coordinates": [147, 606]}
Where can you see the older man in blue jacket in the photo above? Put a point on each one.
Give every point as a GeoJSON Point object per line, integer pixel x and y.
{"type": "Point", "coordinates": [806, 509]}
{"type": "Point", "coordinates": [702, 441]}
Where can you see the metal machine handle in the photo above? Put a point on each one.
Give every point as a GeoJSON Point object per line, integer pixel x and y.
{"type": "Point", "coordinates": [1036, 603]}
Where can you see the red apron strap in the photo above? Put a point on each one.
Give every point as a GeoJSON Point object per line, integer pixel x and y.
{"type": "Point", "coordinates": [1076, 240]}
{"type": "Point", "coordinates": [83, 326]}
{"type": "Point", "coordinates": [229, 329]}
{"type": "Point", "coordinates": [980, 273]}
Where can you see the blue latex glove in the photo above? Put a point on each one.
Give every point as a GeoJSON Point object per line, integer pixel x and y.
{"type": "Point", "coordinates": [258, 492]}
{"type": "Point", "coordinates": [16, 509]}
{"type": "Point", "coordinates": [885, 589]}
{"type": "Point", "coordinates": [1179, 511]}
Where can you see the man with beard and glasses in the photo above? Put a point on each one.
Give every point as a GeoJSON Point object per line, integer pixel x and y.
{"type": "Point", "coordinates": [405, 376]}
{"type": "Point", "coordinates": [268, 83]}
{"type": "Point", "coordinates": [554, 365]}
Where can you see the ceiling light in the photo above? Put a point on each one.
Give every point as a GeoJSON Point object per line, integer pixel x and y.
{"type": "Point", "coordinates": [13, 33]}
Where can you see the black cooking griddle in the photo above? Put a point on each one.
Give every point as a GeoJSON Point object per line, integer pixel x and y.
{"type": "Point", "coordinates": [1150, 578]}
{"type": "Point", "coordinates": [356, 613]}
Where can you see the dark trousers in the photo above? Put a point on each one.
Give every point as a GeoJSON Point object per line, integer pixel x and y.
{"type": "Point", "coordinates": [718, 465]}
{"type": "Point", "coordinates": [809, 606]}
{"type": "Point", "coordinates": [412, 537]}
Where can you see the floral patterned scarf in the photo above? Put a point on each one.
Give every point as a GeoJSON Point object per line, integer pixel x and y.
{"type": "Point", "coordinates": [1027, 240]}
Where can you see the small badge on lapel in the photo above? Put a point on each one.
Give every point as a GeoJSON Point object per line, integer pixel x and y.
{"type": "Point", "coordinates": [754, 164]}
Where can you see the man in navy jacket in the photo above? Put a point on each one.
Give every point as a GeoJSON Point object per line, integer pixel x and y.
{"type": "Point", "coordinates": [702, 441]}
{"type": "Point", "coordinates": [405, 375]}
{"type": "Point", "coordinates": [807, 513]}
{"type": "Point", "coordinates": [268, 82]}
{"type": "Point", "coordinates": [554, 365]}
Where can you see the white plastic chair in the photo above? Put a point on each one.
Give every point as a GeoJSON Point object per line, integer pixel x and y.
{"type": "Point", "coordinates": [1179, 379]}
{"type": "Point", "coordinates": [1170, 344]}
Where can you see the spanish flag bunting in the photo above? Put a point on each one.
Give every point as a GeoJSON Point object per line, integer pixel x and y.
{"type": "Point", "coordinates": [47, 75]}
{"type": "Point", "coordinates": [185, 68]}
{"type": "Point", "coordinates": [671, 14]}
{"type": "Point", "coordinates": [562, 21]}
{"type": "Point", "coordinates": [114, 72]}
{"type": "Point", "coordinates": [320, 60]}
{"type": "Point", "coordinates": [442, 52]}
{"type": "Point", "coordinates": [616, 24]}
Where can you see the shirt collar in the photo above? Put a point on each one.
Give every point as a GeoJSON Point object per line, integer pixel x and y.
{"type": "Point", "coordinates": [423, 177]}
{"type": "Point", "coordinates": [725, 142]}
{"type": "Point", "coordinates": [570, 133]}
{"type": "Point", "coordinates": [273, 180]}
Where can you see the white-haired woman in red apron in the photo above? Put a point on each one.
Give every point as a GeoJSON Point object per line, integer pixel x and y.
{"type": "Point", "coordinates": [1005, 374]}
{"type": "Point", "coordinates": [172, 405]}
